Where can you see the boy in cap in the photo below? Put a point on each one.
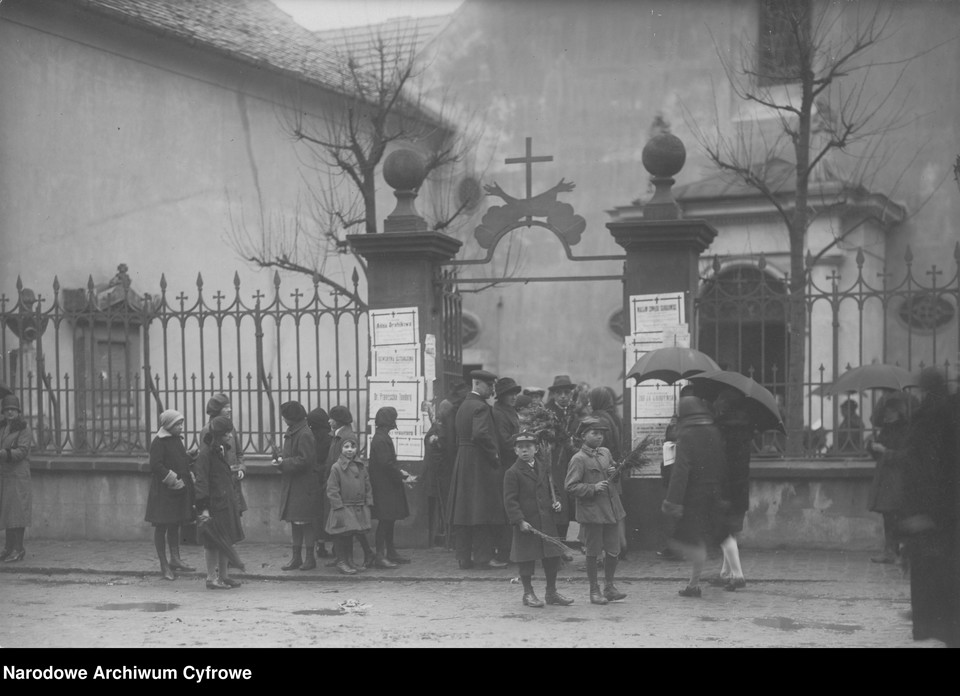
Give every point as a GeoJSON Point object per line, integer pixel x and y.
{"type": "Point", "coordinates": [529, 506]}
{"type": "Point", "coordinates": [599, 509]}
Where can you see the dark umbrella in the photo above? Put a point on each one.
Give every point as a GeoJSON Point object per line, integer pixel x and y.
{"type": "Point", "coordinates": [761, 403]}
{"type": "Point", "coordinates": [207, 528]}
{"type": "Point", "coordinates": [877, 376]}
{"type": "Point", "coordinates": [670, 364]}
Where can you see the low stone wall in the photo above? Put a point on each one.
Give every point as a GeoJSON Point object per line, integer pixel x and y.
{"type": "Point", "coordinates": [793, 504]}
{"type": "Point", "coordinates": [106, 498]}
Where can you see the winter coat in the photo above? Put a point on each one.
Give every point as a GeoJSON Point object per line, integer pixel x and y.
{"type": "Point", "coordinates": [164, 504]}
{"type": "Point", "coordinates": [587, 469]}
{"type": "Point", "coordinates": [299, 485]}
{"type": "Point", "coordinates": [234, 456]}
{"type": "Point", "coordinates": [698, 474]}
{"type": "Point", "coordinates": [389, 496]}
{"type": "Point", "coordinates": [350, 495]}
{"type": "Point", "coordinates": [16, 439]}
{"type": "Point", "coordinates": [507, 422]}
{"type": "Point", "coordinates": [216, 494]}
{"type": "Point", "coordinates": [736, 431]}
{"type": "Point", "coordinates": [930, 472]}
{"type": "Point", "coordinates": [886, 492]}
{"type": "Point", "coordinates": [526, 498]}
{"type": "Point", "coordinates": [476, 495]}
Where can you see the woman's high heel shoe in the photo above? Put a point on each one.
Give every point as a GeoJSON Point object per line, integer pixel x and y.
{"type": "Point", "coordinates": [15, 556]}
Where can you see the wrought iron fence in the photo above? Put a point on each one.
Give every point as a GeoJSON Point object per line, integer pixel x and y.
{"type": "Point", "coordinates": [451, 322]}
{"type": "Point", "coordinates": [94, 367]}
{"type": "Point", "coordinates": [910, 320]}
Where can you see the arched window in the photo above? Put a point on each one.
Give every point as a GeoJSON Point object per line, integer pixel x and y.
{"type": "Point", "coordinates": [742, 321]}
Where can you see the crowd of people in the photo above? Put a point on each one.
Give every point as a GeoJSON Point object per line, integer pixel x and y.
{"type": "Point", "coordinates": [504, 483]}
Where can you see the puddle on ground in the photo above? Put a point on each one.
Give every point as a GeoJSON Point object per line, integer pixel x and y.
{"type": "Point", "coordinates": [522, 617]}
{"type": "Point", "coordinates": [319, 612]}
{"type": "Point", "coordinates": [572, 619]}
{"type": "Point", "coordinates": [708, 618]}
{"type": "Point", "coordinates": [139, 606]}
{"type": "Point", "coordinates": [784, 624]}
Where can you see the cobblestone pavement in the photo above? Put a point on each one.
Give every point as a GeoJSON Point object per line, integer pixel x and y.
{"type": "Point", "coordinates": [108, 594]}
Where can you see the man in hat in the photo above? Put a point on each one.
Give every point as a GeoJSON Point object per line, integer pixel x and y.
{"type": "Point", "coordinates": [476, 496]}
{"type": "Point", "coordinates": [561, 404]}
{"type": "Point", "coordinates": [507, 422]}
{"type": "Point", "coordinates": [530, 507]}
{"type": "Point", "coordinates": [599, 510]}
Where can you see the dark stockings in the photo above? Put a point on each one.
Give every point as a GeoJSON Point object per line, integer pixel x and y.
{"type": "Point", "coordinates": [384, 538]}
{"type": "Point", "coordinates": [551, 566]}
{"type": "Point", "coordinates": [13, 539]}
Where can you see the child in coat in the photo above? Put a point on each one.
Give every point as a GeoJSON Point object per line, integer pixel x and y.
{"type": "Point", "coordinates": [530, 506]}
{"type": "Point", "coordinates": [599, 509]}
{"type": "Point", "coordinates": [350, 496]}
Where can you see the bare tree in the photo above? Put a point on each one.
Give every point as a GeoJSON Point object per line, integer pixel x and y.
{"type": "Point", "coordinates": [380, 101]}
{"type": "Point", "coordinates": [809, 76]}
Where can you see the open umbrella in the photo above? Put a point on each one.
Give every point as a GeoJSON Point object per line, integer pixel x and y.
{"type": "Point", "coordinates": [877, 376]}
{"type": "Point", "coordinates": [670, 364]}
{"type": "Point", "coordinates": [207, 528]}
{"type": "Point", "coordinates": [761, 403]}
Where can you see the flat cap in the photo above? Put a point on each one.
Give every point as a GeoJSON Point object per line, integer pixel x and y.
{"type": "Point", "coordinates": [524, 436]}
{"type": "Point", "coordinates": [591, 424]}
{"type": "Point", "coordinates": [483, 376]}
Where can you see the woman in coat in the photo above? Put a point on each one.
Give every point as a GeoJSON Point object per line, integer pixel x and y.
{"type": "Point", "coordinates": [319, 423]}
{"type": "Point", "coordinates": [299, 485]}
{"type": "Point", "coordinates": [694, 494]}
{"type": "Point", "coordinates": [387, 482]}
{"type": "Point", "coordinates": [219, 405]}
{"type": "Point", "coordinates": [886, 493]}
{"type": "Point", "coordinates": [217, 512]}
{"type": "Point", "coordinates": [16, 439]}
{"type": "Point", "coordinates": [171, 496]}
{"type": "Point", "coordinates": [737, 430]}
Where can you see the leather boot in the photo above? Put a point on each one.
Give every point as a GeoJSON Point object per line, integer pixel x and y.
{"type": "Point", "coordinates": [176, 563]}
{"type": "Point", "coordinates": [311, 561]}
{"type": "Point", "coordinates": [295, 561]}
{"type": "Point", "coordinates": [340, 549]}
{"type": "Point", "coordinates": [610, 590]}
{"type": "Point", "coordinates": [530, 599]}
{"type": "Point", "coordinates": [596, 597]}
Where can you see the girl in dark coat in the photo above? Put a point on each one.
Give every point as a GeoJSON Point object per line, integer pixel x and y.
{"type": "Point", "coordinates": [219, 405]}
{"type": "Point", "coordinates": [217, 504]}
{"type": "Point", "coordinates": [387, 481]}
{"type": "Point", "coordinates": [886, 493]}
{"type": "Point", "coordinates": [171, 496]}
{"type": "Point", "coordinates": [693, 496]}
{"type": "Point", "coordinates": [737, 430]}
{"type": "Point", "coordinates": [16, 439]}
{"type": "Point", "coordinates": [319, 423]}
{"type": "Point", "coordinates": [300, 492]}
{"type": "Point", "coordinates": [930, 512]}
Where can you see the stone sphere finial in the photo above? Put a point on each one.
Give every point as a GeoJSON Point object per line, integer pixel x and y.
{"type": "Point", "coordinates": [664, 155]}
{"type": "Point", "coordinates": [404, 170]}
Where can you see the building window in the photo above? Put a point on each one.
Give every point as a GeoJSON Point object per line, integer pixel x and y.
{"type": "Point", "coordinates": [781, 22]}
{"type": "Point", "coordinates": [926, 311]}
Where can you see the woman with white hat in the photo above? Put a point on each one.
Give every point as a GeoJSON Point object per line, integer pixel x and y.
{"type": "Point", "coordinates": [16, 439]}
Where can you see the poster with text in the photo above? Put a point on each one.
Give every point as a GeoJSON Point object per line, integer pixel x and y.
{"type": "Point", "coordinates": [405, 395]}
{"type": "Point", "coordinates": [394, 327]}
{"type": "Point", "coordinates": [396, 362]}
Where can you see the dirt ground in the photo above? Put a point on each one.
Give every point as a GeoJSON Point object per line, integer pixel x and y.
{"type": "Point", "coordinates": [104, 611]}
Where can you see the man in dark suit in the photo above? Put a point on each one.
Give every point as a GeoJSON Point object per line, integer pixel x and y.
{"type": "Point", "coordinates": [507, 422]}
{"type": "Point", "coordinates": [476, 497]}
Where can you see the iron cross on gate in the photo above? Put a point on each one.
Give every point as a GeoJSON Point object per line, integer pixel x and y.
{"type": "Point", "coordinates": [528, 160]}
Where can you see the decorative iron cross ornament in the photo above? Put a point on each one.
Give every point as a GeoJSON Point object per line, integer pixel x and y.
{"type": "Point", "coordinates": [529, 160]}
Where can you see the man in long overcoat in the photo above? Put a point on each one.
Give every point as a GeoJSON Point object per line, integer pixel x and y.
{"type": "Point", "coordinates": [476, 496]}
{"type": "Point", "coordinates": [530, 506]}
{"type": "Point", "coordinates": [507, 422]}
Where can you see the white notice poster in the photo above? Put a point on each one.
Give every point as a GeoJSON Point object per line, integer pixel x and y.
{"type": "Point", "coordinates": [396, 362]}
{"type": "Point", "coordinates": [394, 327]}
{"type": "Point", "coordinates": [405, 395]}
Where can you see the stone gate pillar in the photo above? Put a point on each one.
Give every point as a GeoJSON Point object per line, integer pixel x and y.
{"type": "Point", "coordinates": [663, 253]}
{"type": "Point", "coordinates": [403, 264]}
